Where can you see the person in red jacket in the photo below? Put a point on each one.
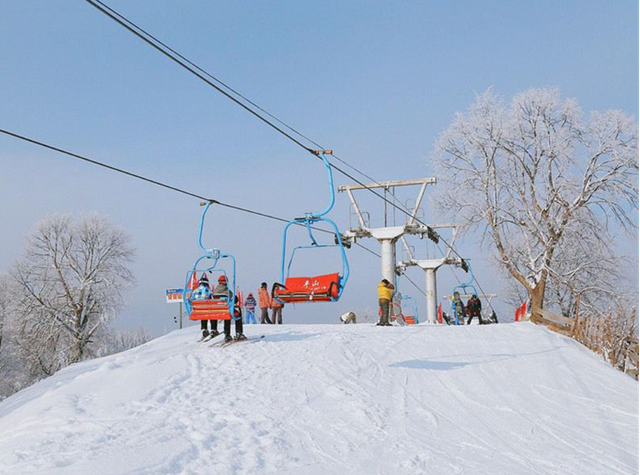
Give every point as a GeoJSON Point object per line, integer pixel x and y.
{"type": "Point", "coordinates": [264, 301]}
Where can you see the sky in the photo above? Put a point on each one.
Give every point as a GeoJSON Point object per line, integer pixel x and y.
{"type": "Point", "coordinates": [375, 81]}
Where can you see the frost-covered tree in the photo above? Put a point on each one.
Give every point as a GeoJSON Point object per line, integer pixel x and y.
{"type": "Point", "coordinates": [545, 185]}
{"type": "Point", "coordinates": [4, 306]}
{"type": "Point", "coordinates": [69, 284]}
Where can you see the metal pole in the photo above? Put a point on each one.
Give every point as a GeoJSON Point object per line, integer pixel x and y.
{"type": "Point", "coordinates": [388, 260]}
{"type": "Point", "coordinates": [432, 295]}
{"type": "Point", "coordinates": [180, 315]}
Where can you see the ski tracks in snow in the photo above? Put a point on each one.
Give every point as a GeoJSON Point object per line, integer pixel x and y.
{"type": "Point", "coordinates": [331, 399]}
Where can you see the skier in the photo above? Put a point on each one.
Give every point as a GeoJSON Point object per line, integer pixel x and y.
{"type": "Point", "coordinates": [385, 292]}
{"type": "Point", "coordinates": [474, 309]}
{"type": "Point", "coordinates": [250, 307]}
{"type": "Point", "coordinates": [458, 309]}
{"type": "Point", "coordinates": [203, 292]}
{"type": "Point", "coordinates": [264, 302]}
{"type": "Point", "coordinates": [237, 316]}
{"type": "Point", "coordinates": [276, 312]}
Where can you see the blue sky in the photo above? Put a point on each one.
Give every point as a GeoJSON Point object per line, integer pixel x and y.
{"type": "Point", "coordinates": [375, 81]}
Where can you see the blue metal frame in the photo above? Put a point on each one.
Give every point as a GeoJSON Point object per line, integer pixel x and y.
{"type": "Point", "coordinates": [308, 220]}
{"type": "Point", "coordinates": [215, 255]}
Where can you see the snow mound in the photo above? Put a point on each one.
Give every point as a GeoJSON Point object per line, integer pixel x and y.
{"type": "Point", "coordinates": [331, 399]}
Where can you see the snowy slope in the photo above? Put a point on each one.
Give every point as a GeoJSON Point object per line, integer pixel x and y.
{"type": "Point", "coordinates": [331, 399]}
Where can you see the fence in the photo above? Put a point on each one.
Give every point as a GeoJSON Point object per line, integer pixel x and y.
{"type": "Point", "coordinates": [613, 337]}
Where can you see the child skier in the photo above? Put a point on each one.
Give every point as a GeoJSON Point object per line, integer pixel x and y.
{"type": "Point", "coordinates": [237, 317]}
{"type": "Point", "coordinates": [250, 307]}
{"type": "Point", "coordinates": [203, 292]}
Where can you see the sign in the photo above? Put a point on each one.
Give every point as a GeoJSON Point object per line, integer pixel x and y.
{"type": "Point", "coordinates": [174, 295]}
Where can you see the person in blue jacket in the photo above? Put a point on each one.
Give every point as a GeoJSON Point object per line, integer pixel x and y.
{"type": "Point", "coordinates": [250, 307]}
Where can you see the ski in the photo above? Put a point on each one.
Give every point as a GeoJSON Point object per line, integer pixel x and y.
{"type": "Point", "coordinates": [209, 337]}
{"type": "Point", "coordinates": [252, 339]}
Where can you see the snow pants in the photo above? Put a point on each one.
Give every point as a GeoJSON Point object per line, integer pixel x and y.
{"type": "Point", "coordinates": [384, 310]}
{"type": "Point", "coordinates": [471, 318]}
{"type": "Point", "coordinates": [251, 316]}
{"type": "Point", "coordinates": [227, 326]}
{"type": "Point", "coordinates": [214, 324]}
{"type": "Point", "coordinates": [264, 315]}
{"type": "Point", "coordinates": [276, 312]}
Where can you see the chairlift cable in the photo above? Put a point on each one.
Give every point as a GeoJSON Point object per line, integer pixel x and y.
{"type": "Point", "coordinates": [120, 19]}
{"type": "Point", "coordinates": [124, 22]}
{"type": "Point", "coordinates": [159, 183]}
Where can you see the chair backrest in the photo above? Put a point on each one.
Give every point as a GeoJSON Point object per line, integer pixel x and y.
{"type": "Point", "coordinates": [321, 288]}
{"type": "Point", "coordinates": [213, 309]}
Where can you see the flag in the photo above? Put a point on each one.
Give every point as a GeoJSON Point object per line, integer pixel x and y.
{"type": "Point", "coordinates": [520, 312]}
{"type": "Point", "coordinates": [193, 283]}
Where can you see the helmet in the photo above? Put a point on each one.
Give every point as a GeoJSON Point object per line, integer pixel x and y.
{"type": "Point", "coordinates": [222, 278]}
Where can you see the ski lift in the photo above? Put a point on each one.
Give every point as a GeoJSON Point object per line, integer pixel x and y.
{"type": "Point", "coordinates": [466, 290]}
{"type": "Point", "coordinates": [405, 308]}
{"type": "Point", "coordinates": [214, 306]}
{"type": "Point", "coordinates": [318, 288]}
{"type": "Point", "coordinates": [409, 309]}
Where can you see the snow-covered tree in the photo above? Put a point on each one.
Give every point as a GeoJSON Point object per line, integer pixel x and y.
{"type": "Point", "coordinates": [4, 305]}
{"type": "Point", "coordinates": [70, 284]}
{"type": "Point", "coordinates": [545, 185]}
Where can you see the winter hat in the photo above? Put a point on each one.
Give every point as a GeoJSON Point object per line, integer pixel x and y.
{"type": "Point", "coordinates": [222, 278]}
{"type": "Point", "coordinates": [250, 295]}
{"type": "Point", "coordinates": [204, 279]}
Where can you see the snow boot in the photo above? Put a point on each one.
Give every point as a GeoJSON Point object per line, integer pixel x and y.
{"type": "Point", "coordinates": [205, 334]}
{"type": "Point", "coordinates": [214, 333]}
{"type": "Point", "coordinates": [240, 337]}
{"type": "Point", "coordinates": [228, 338]}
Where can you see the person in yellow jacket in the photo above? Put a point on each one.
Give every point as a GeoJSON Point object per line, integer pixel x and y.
{"type": "Point", "coordinates": [385, 292]}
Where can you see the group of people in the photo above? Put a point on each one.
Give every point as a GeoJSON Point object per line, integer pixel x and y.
{"type": "Point", "coordinates": [203, 292]}
{"type": "Point", "coordinates": [265, 302]}
{"type": "Point", "coordinates": [472, 309]}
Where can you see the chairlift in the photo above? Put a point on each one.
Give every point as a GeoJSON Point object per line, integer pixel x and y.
{"type": "Point", "coordinates": [466, 290]}
{"type": "Point", "coordinates": [316, 288]}
{"type": "Point", "coordinates": [215, 263]}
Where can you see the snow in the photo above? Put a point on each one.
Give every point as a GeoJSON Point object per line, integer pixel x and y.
{"type": "Point", "coordinates": [331, 399]}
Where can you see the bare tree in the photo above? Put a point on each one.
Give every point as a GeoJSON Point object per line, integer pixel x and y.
{"type": "Point", "coordinates": [4, 305]}
{"type": "Point", "coordinates": [544, 185]}
{"type": "Point", "coordinates": [70, 282]}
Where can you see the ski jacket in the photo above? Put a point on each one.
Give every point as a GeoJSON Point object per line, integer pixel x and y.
{"type": "Point", "coordinates": [385, 291]}
{"type": "Point", "coordinates": [274, 302]}
{"type": "Point", "coordinates": [474, 307]}
{"type": "Point", "coordinates": [221, 290]}
{"type": "Point", "coordinates": [459, 308]}
{"type": "Point", "coordinates": [263, 297]}
{"type": "Point", "coordinates": [202, 292]}
{"type": "Point", "coordinates": [250, 303]}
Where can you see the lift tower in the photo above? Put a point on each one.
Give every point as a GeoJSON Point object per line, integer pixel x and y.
{"type": "Point", "coordinates": [387, 236]}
